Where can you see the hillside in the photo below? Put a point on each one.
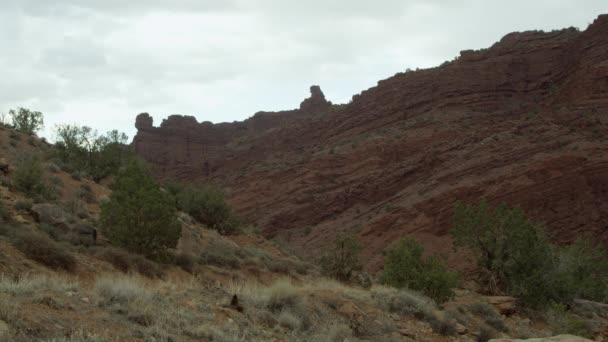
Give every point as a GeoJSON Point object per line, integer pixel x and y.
{"type": "Point", "coordinates": [60, 283]}
{"type": "Point", "coordinates": [522, 122]}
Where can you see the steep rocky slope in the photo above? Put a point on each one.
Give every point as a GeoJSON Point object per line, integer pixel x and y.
{"type": "Point", "coordinates": [522, 122]}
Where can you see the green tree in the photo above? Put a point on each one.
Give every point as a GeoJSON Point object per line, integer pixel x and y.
{"type": "Point", "coordinates": [29, 179]}
{"type": "Point", "coordinates": [139, 216]}
{"type": "Point", "coordinates": [343, 259]}
{"type": "Point", "coordinates": [83, 149]}
{"type": "Point", "coordinates": [27, 121]}
{"type": "Point", "coordinates": [517, 258]}
{"type": "Point", "coordinates": [404, 266]}
{"type": "Point", "coordinates": [206, 204]}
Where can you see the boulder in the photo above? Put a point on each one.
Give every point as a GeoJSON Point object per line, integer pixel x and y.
{"type": "Point", "coordinates": [52, 215]}
{"type": "Point", "coordinates": [558, 338]}
{"type": "Point", "coordinates": [506, 305]}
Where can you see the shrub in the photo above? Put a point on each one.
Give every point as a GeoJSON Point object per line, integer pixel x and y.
{"type": "Point", "coordinates": [86, 193]}
{"type": "Point", "coordinates": [25, 204]}
{"type": "Point", "coordinates": [404, 267]}
{"type": "Point", "coordinates": [28, 178]}
{"type": "Point", "coordinates": [404, 302]}
{"type": "Point", "coordinates": [41, 248]}
{"type": "Point", "coordinates": [516, 257]}
{"type": "Point", "coordinates": [563, 322]}
{"type": "Point", "coordinates": [121, 290]}
{"type": "Point", "coordinates": [489, 315]}
{"type": "Point", "coordinates": [343, 259]}
{"type": "Point", "coordinates": [26, 121]}
{"type": "Point", "coordinates": [207, 205]}
{"type": "Point", "coordinates": [282, 295]}
{"type": "Point", "coordinates": [139, 216]}
{"type": "Point", "coordinates": [82, 150]}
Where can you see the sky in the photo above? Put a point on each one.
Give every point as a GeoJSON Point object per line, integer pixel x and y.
{"type": "Point", "coordinates": [101, 62]}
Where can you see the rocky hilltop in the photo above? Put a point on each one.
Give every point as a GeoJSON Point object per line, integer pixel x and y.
{"type": "Point", "coordinates": [523, 122]}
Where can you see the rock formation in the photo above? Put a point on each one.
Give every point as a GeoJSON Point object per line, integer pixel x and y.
{"type": "Point", "coordinates": [523, 122]}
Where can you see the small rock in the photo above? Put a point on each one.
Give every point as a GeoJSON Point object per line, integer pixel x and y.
{"type": "Point", "coordinates": [405, 332]}
{"type": "Point", "coordinates": [84, 299]}
{"type": "Point", "coordinates": [4, 330]}
{"type": "Point", "coordinates": [461, 329]}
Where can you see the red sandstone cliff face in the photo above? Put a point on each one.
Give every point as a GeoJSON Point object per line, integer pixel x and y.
{"type": "Point", "coordinates": [523, 122]}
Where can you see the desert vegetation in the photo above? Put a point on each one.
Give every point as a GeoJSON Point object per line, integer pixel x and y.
{"type": "Point", "coordinates": [138, 215]}
{"type": "Point", "coordinates": [516, 257]}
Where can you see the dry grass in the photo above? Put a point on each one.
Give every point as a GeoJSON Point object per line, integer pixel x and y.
{"type": "Point", "coordinates": [26, 284]}
{"type": "Point", "coordinates": [130, 263]}
{"type": "Point", "coordinates": [122, 290]}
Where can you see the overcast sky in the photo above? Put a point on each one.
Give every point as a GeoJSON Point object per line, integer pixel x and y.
{"type": "Point", "coordinates": [101, 62]}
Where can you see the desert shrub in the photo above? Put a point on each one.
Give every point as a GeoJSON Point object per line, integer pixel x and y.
{"type": "Point", "coordinates": [517, 258]}
{"type": "Point", "coordinates": [129, 263]}
{"type": "Point", "coordinates": [283, 295]}
{"type": "Point", "coordinates": [41, 248]}
{"type": "Point", "coordinates": [582, 270]}
{"type": "Point", "coordinates": [404, 302]}
{"type": "Point", "coordinates": [185, 261]}
{"type": "Point", "coordinates": [226, 258]}
{"type": "Point", "coordinates": [76, 175]}
{"type": "Point", "coordinates": [404, 267]}
{"type": "Point", "coordinates": [489, 315]}
{"type": "Point", "coordinates": [86, 193]}
{"type": "Point", "coordinates": [121, 290]}
{"type": "Point", "coordinates": [84, 151]}
{"type": "Point", "coordinates": [26, 121]}
{"type": "Point", "coordinates": [442, 325]}
{"type": "Point", "coordinates": [28, 178]}
{"type": "Point", "coordinates": [561, 321]}
{"type": "Point", "coordinates": [25, 204]}
{"type": "Point", "coordinates": [139, 216]}
{"type": "Point", "coordinates": [342, 260]}
{"type": "Point", "coordinates": [53, 168]}
{"type": "Point", "coordinates": [207, 205]}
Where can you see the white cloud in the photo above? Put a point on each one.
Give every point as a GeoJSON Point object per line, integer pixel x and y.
{"type": "Point", "coordinates": [100, 62]}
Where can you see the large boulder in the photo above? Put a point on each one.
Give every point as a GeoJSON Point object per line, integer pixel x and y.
{"type": "Point", "coordinates": [63, 226]}
{"type": "Point", "coordinates": [51, 214]}
{"type": "Point", "coordinates": [558, 338]}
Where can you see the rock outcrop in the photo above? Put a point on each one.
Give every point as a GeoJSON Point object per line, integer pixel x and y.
{"type": "Point", "coordinates": [523, 122]}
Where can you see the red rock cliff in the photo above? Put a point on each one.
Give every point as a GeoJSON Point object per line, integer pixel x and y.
{"type": "Point", "coordinates": [524, 122]}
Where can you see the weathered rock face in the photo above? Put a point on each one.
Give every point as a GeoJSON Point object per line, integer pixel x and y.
{"type": "Point", "coordinates": [524, 122]}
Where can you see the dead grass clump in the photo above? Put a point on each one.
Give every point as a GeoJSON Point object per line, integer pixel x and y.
{"type": "Point", "coordinates": [489, 315]}
{"type": "Point", "coordinates": [122, 290]}
{"type": "Point", "coordinates": [42, 249]}
{"type": "Point", "coordinates": [24, 285]}
{"type": "Point", "coordinates": [282, 295]}
{"type": "Point", "coordinates": [404, 302]}
{"type": "Point", "coordinates": [130, 263]}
